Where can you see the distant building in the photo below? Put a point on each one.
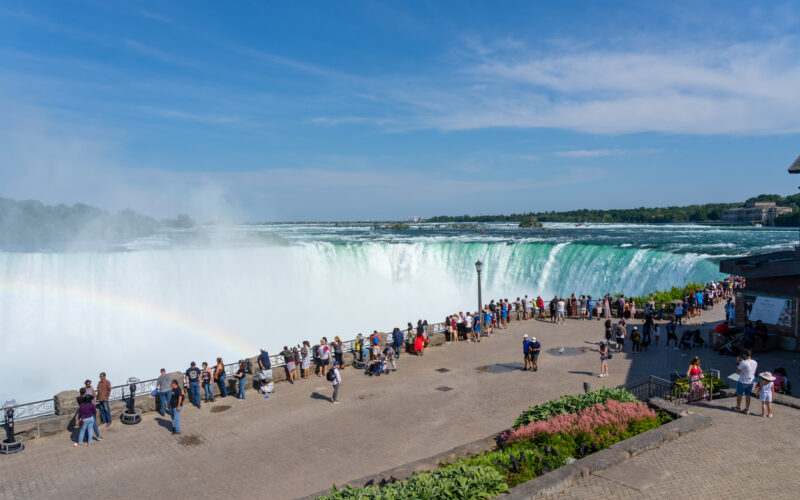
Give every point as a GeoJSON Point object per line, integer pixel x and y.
{"type": "Point", "coordinates": [417, 219]}
{"type": "Point", "coordinates": [762, 212]}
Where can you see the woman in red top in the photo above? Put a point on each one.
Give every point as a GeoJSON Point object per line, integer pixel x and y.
{"type": "Point", "coordinates": [419, 343]}
{"type": "Point", "coordinates": [694, 373]}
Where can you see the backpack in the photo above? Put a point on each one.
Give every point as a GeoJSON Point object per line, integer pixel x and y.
{"type": "Point", "coordinates": [330, 376]}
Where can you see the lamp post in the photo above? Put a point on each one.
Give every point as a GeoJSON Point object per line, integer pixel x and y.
{"type": "Point", "coordinates": [478, 267]}
{"type": "Point", "coordinates": [11, 444]}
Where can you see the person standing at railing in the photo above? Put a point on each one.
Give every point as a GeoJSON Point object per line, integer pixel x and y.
{"type": "Point", "coordinates": [207, 377]}
{"type": "Point", "coordinates": [175, 400]}
{"type": "Point", "coordinates": [241, 377]}
{"type": "Point", "coordinates": [397, 342]}
{"type": "Point", "coordinates": [219, 376]}
{"type": "Point", "coordinates": [338, 351]}
{"type": "Point", "coordinates": [324, 356]}
{"type": "Point", "coordinates": [305, 359]}
{"type": "Point", "coordinates": [164, 386]}
{"type": "Point", "coordinates": [103, 393]}
{"type": "Point", "coordinates": [288, 360]}
{"type": "Point", "coordinates": [192, 380]}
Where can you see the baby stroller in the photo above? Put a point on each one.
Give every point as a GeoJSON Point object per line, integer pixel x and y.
{"type": "Point", "coordinates": [697, 339]}
{"type": "Point", "coordinates": [686, 339]}
{"type": "Point", "coordinates": [377, 366]}
{"type": "Point", "coordinates": [731, 347]}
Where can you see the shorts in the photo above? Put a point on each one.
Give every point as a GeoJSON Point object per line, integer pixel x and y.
{"type": "Point", "coordinates": [583, 311]}
{"type": "Point", "coordinates": [560, 314]}
{"type": "Point", "coordinates": [290, 365]}
{"type": "Point", "coordinates": [376, 350]}
{"type": "Point", "coordinates": [620, 340]}
{"type": "Point", "coordinates": [265, 374]}
{"type": "Point", "coordinates": [743, 389]}
{"type": "Point", "coordinates": [323, 362]}
{"type": "Point", "coordinates": [534, 356]}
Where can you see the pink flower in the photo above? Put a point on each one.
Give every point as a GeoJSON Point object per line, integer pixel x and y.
{"type": "Point", "coordinates": [599, 421]}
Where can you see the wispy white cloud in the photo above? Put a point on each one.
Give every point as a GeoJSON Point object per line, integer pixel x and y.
{"type": "Point", "coordinates": [748, 88]}
{"type": "Point", "coordinates": [159, 54]}
{"type": "Point", "coordinates": [155, 16]}
{"type": "Point", "coordinates": [590, 153]}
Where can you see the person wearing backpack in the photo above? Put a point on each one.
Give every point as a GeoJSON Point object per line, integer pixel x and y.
{"type": "Point", "coordinates": [335, 378]}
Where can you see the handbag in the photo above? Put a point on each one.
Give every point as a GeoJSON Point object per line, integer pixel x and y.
{"type": "Point", "coordinates": [610, 355]}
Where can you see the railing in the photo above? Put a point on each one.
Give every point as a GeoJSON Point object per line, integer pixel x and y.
{"type": "Point", "coordinates": [682, 390]}
{"type": "Point", "coordinates": [650, 387]}
{"type": "Point", "coordinates": [26, 411]}
{"type": "Point", "coordinates": [678, 391]}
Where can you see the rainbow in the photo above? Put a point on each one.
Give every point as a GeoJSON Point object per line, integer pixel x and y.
{"type": "Point", "coordinates": [134, 307]}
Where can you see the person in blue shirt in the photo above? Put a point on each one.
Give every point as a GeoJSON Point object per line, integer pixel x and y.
{"type": "Point", "coordinates": [590, 307]}
{"type": "Point", "coordinates": [526, 344]}
{"type": "Point", "coordinates": [533, 353]}
{"type": "Point", "coordinates": [397, 339]}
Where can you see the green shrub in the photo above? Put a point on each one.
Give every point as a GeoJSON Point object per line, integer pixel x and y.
{"type": "Point", "coordinates": [455, 482]}
{"type": "Point", "coordinates": [521, 462]}
{"type": "Point", "coordinates": [572, 404]}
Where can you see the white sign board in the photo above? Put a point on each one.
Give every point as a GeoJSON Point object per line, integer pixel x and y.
{"type": "Point", "coordinates": [772, 310]}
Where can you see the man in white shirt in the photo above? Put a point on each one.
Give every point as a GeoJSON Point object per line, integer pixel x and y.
{"type": "Point", "coordinates": [561, 307]}
{"type": "Point", "coordinates": [468, 325]}
{"type": "Point", "coordinates": [525, 307]}
{"type": "Point", "coordinates": [746, 368]}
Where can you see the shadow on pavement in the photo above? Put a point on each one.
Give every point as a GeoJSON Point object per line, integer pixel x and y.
{"type": "Point", "coordinates": [316, 395]}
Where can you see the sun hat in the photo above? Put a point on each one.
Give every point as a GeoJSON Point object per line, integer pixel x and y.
{"type": "Point", "coordinates": [766, 376]}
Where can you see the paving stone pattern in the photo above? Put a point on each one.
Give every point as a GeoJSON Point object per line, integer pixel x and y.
{"type": "Point", "coordinates": [737, 456]}
{"type": "Point", "coordinates": [297, 443]}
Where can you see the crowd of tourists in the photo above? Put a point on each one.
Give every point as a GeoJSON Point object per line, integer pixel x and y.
{"type": "Point", "coordinates": [378, 354]}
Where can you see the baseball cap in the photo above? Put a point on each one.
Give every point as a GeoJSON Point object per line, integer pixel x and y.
{"type": "Point", "coordinates": [525, 336]}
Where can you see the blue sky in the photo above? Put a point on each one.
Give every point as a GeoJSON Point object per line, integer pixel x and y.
{"type": "Point", "coordinates": [362, 110]}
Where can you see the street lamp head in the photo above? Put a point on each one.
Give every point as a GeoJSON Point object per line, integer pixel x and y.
{"type": "Point", "coordinates": [794, 168]}
{"type": "Point", "coordinates": [478, 266]}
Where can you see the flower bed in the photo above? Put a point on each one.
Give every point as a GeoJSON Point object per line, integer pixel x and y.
{"type": "Point", "coordinates": [544, 438]}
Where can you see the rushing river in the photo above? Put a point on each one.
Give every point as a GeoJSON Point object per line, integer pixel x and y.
{"type": "Point", "coordinates": [195, 295]}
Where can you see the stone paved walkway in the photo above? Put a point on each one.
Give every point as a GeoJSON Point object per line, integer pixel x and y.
{"type": "Point", "coordinates": [296, 442]}
{"type": "Point", "coordinates": [738, 456]}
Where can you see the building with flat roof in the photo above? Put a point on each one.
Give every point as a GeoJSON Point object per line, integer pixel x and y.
{"type": "Point", "coordinates": [761, 212]}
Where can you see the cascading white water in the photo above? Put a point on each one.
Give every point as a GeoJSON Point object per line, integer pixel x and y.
{"type": "Point", "coordinates": [65, 317]}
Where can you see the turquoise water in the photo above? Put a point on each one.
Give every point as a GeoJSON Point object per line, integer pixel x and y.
{"type": "Point", "coordinates": [228, 291]}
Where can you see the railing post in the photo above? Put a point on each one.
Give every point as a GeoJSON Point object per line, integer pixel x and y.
{"type": "Point", "coordinates": [650, 387]}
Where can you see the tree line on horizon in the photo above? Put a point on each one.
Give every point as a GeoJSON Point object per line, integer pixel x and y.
{"type": "Point", "coordinates": [32, 225]}
{"type": "Point", "coordinates": [709, 212]}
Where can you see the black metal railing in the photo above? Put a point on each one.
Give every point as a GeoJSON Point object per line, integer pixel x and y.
{"type": "Point", "coordinates": [25, 411]}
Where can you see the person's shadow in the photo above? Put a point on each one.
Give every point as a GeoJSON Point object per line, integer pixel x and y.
{"type": "Point", "coordinates": [165, 423]}
{"type": "Point", "coordinates": [316, 395]}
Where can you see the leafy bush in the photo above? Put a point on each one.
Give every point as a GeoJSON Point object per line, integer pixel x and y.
{"type": "Point", "coordinates": [572, 404]}
{"type": "Point", "coordinates": [520, 462]}
{"type": "Point", "coordinates": [456, 482]}
{"type": "Point", "coordinates": [667, 296]}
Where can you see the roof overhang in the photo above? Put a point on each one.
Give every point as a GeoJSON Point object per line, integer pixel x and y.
{"type": "Point", "coordinates": [795, 167]}
{"type": "Point", "coordinates": [770, 265]}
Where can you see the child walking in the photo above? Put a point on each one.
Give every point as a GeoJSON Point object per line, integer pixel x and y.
{"type": "Point", "coordinates": [765, 393]}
